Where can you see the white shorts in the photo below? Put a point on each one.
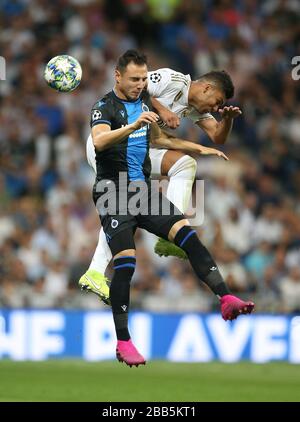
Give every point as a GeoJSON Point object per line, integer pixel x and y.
{"type": "Point", "coordinates": [156, 156]}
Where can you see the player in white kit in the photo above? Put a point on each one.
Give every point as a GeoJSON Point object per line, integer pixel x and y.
{"type": "Point", "coordinates": [174, 96]}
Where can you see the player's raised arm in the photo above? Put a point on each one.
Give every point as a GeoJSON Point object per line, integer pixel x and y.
{"type": "Point", "coordinates": [208, 95]}
{"type": "Point", "coordinates": [104, 137]}
{"type": "Point", "coordinates": [218, 132]}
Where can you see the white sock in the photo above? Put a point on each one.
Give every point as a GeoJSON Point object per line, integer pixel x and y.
{"type": "Point", "coordinates": [182, 175]}
{"type": "Point", "coordinates": [102, 255]}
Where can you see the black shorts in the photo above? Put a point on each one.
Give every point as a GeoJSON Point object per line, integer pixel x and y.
{"type": "Point", "coordinates": [147, 209]}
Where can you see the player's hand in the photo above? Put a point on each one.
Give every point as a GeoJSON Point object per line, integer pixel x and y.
{"type": "Point", "coordinates": [212, 151]}
{"type": "Point", "coordinates": [170, 119]}
{"type": "Point", "coordinates": [145, 118]}
{"type": "Point", "coordinates": [230, 112]}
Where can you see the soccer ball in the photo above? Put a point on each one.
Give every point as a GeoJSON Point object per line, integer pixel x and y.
{"type": "Point", "coordinates": [63, 73]}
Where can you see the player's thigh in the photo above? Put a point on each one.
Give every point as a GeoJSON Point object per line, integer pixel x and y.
{"type": "Point", "coordinates": [125, 253]}
{"type": "Point", "coordinates": [162, 215]}
{"type": "Point", "coordinates": [169, 159]}
{"type": "Point", "coordinates": [90, 153]}
{"type": "Point", "coordinates": [160, 225]}
{"type": "Point", "coordinates": [156, 157]}
{"type": "Point", "coordinates": [119, 231]}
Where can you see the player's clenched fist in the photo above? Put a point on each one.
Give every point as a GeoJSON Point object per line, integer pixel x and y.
{"type": "Point", "coordinates": [145, 118]}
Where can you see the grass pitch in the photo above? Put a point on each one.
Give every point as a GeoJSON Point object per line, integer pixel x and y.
{"type": "Point", "coordinates": [79, 381]}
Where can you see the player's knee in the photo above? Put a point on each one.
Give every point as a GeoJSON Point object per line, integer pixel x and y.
{"type": "Point", "coordinates": [177, 227]}
{"type": "Point", "coordinates": [125, 266]}
{"type": "Point", "coordinates": [185, 166]}
{"type": "Point", "coordinates": [126, 252]}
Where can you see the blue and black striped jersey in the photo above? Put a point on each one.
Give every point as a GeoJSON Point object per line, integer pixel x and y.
{"type": "Point", "coordinates": [132, 154]}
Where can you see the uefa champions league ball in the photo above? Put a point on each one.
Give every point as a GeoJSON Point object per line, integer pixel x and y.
{"type": "Point", "coordinates": [63, 73]}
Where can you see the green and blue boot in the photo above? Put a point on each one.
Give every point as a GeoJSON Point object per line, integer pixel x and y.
{"type": "Point", "coordinates": [165, 248]}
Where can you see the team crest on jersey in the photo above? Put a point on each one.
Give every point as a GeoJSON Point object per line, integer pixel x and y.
{"type": "Point", "coordinates": [96, 115]}
{"type": "Point", "coordinates": [114, 223]}
{"type": "Point", "coordinates": [155, 77]}
{"type": "Point", "coordinates": [145, 107]}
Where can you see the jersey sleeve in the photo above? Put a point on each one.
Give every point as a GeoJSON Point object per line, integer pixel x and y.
{"type": "Point", "coordinates": [195, 116]}
{"type": "Point", "coordinates": [167, 83]}
{"type": "Point", "coordinates": [156, 82]}
{"type": "Point", "coordinates": [101, 114]}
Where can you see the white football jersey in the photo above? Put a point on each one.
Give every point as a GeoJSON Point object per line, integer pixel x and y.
{"type": "Point", "coordinates": [171, 89]}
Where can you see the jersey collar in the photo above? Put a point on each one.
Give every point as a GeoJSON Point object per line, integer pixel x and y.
{"type": "Point", "coordinates": [125, 101]}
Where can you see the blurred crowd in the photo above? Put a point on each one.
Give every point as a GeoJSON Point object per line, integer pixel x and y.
{"type": "Point", "coordinates": [48, 224]}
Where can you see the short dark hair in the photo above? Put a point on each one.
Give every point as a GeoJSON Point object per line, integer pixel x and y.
{"type": "Point", "coordinates": [222, 79]}
{"type": "Point", "coordinates": [129, 56]}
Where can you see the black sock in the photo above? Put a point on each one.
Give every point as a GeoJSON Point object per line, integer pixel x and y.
{"type": "Point", "coordinates": [201, 260]}
{"type": "Point", "coordinates": [120, 294]}
{"type": "Point", "coordinates": [121, 325]}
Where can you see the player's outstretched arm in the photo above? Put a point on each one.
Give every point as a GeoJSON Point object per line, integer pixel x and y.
{"type": "Point", "coordinates": [218, 132]}
{"type": "Point", "coordinates": [161, 139]}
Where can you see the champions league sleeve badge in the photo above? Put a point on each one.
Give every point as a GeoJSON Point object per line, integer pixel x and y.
{"type": "Point", "coordinates": [155, 77]}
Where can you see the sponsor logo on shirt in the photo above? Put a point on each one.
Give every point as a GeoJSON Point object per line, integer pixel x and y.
{"type": "Point", "coordinates": [138, 133]}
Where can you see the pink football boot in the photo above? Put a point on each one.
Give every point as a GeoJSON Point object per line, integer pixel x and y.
{"type": "Point", "coordinates": [232, 307]}
{"type": "Point", "coordinates": [126, 352]}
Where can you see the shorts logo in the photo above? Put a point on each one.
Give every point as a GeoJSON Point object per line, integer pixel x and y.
{"type": "Point", "coordinates": [155, 77]}
{"type": "Point", "coordinates": [96, 115]}
{"type": "Point", "coordinates": [122, 112]}
{"type": "Point", "coordinates": [114, 223]}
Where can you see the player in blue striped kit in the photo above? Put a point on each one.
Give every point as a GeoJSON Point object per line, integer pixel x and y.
{"type": "Point", "coordinates": [122, 128]}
